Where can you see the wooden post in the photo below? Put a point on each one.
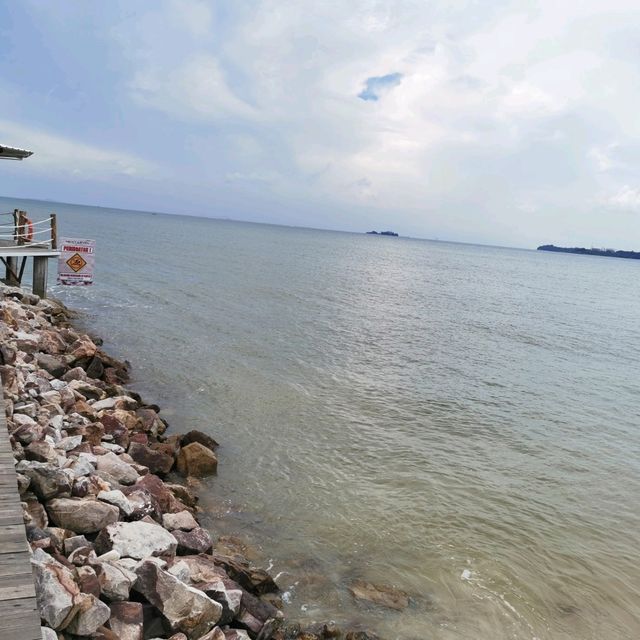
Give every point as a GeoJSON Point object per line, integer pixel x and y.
{"type": "Point", "coordinates": [54, 231]}
{"type": "Point", "coordinates": [11, 271]}
{"type": "Point", "coordinates": [40, 276]}
{"type": "Point", "coordinates": [21, 226]}
{"type": "Point", "coordinates": [16, 218]}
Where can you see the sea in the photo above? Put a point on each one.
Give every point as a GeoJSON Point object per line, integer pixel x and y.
{"type": "Point", "coordinates": [460, 422]}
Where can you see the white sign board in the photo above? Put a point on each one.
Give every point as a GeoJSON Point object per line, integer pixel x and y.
{"type": "Point", "coordinates": [76, 261]}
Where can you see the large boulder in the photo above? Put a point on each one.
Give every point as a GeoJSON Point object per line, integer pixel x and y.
{"type": "Point", "coordinates": [118, 469]}
{"type": "Point", "coordinates": [81, 515]}
{"type": "Point", "coordinates": [187, 609]}
{"type": "Point", "coordinates": [197, 460]}
{"type": "Point", "coordinates": [136, 540]}
{"type": "Point", "coordinates": [56, 590]}
{"type": "Point", "coordinates": [47, 480]}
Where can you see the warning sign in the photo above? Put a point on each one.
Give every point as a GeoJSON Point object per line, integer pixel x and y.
{"type": "Point", "coordinates": [76, 261]}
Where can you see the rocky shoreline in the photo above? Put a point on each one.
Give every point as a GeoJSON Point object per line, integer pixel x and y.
{"type": "Point", "coordinates": [117, 550]}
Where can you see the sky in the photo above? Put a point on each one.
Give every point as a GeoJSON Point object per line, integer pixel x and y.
{"type": "Point", "coordinates": [490, 121]}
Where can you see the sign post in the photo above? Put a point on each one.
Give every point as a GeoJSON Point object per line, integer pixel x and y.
{"type": "Point", "coordinates": [76, 261]}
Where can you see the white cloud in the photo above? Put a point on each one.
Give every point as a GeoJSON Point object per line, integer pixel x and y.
{"type": "Point", "coordinates": [57, 155]}
{"type": "Point", "coordinates": [626, 198]}
{"type": "Point", "coordinates": [196, 89]}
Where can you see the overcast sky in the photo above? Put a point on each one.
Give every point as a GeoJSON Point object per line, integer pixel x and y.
{"type": "Point", "coordinates": [498, 122]}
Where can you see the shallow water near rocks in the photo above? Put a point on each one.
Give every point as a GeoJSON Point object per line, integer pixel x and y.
{"type": "Point", "coordinates": [458, 421]}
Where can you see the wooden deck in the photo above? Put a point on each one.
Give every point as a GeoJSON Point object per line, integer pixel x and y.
{"type": "Point", "coordinates": [19, 617]}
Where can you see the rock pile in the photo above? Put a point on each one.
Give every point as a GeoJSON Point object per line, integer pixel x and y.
{"type": "Point", "coordinates": [117, 551]}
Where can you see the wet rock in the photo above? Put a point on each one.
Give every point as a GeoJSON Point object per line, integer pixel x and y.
{"type": "Point", "coordinates": [81, 516]}
{"type": "Point", "coordinates": [192, 542]}
{"type": "Point", "coordinates": [156, 461]}
{"type": "Point", "coordinates": [182, 493]}
{"type": "Point", "coordinates": [186, 609]}
{"type": "Point", "coordinates": [256, 581]}
{"type": "Point", "coordinates": [92, 613]}
{"type": "Point", "coordinates": [136, 540]}
{"type": "Point", "coordinates": [182, 520]}
{"type": "Point", "coordinates": [116, 468]}
{"type": "Point", "coordinates": [198, 436]}
{"type": "Point", "coordinates": [203, 569]}
{"type": "Point", "coordinates": [197, 460]}
{"type": "Point", "coordinates": [360, 635]}
{"type": "Point", "coordinates": [56, 590]}
{"type": "Point", "coordinates": [382, 595]}
{"type": "Point", "coordinates": [127, 620]}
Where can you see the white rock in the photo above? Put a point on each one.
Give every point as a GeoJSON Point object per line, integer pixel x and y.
{"type": "Point", "coordinates": [182, 520]}
{"type": "Point", "coordinates": [117, 498]}
{"type": "Point", "coordinates": [56, 590]}
{"type": "Point", "coordinates": [137, 540]}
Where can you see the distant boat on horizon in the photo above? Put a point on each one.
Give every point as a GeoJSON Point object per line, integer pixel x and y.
{"type": "Point", "coordinates": [382, 233]}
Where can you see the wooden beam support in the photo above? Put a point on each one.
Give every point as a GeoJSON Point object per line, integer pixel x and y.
{"type": "Point", "coordinates": [40, 264]}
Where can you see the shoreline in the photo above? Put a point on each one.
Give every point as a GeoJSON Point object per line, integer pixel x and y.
{"type": "Point", "coordinates": [117, 548]}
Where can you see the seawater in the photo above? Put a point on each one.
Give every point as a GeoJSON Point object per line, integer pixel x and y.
{"type": "Point", "coordinates": [459, 421]}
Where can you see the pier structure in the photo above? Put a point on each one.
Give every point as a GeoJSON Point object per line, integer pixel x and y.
{"type": "Point", "coordinates": [22, 238]}
{"type": "Point", "coordinates": [19, 616]}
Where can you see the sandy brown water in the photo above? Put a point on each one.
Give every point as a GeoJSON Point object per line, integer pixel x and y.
{"type": "Point", "coordinates": [459, 421]}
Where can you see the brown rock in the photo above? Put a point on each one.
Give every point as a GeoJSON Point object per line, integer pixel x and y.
{"type": "Point", "coordinates": [184, 494]}
{"type": "Point", "coordinates": [197, 460]}
{"type": "Point", "coordinates": [167, 501]}
{"type": "Point", "coordinates": [88, 580]}
{"type": "Point", "coordinates": [157, 462]}
{"type": "Point", "coordinates": [127, 620]}
{"type": "Point", "coordinates": [256, 581]}
{"type": "Point", "coordinates": [185, 608]}
{"type": "Point", "coordinates": [92, 613]}
{"type": "Point", "coordinates": [143, 504]}
{"type": "Point", "coordinates": [81, 515]}
{"type": "Point", "coordinates": [198, 436]}
{"type": "Point", "coordinates": [113, 427]}
{"type": "Point", "coordinates": [182, 520]}
{"type": "Point", "coordinates": [192, 542]}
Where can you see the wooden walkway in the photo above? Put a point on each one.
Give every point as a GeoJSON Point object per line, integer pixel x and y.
{"type": "Point", "coordinates": [19, 617]}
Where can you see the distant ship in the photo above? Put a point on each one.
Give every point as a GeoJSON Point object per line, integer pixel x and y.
{"type": "Point", "coordinates": [383, 233]}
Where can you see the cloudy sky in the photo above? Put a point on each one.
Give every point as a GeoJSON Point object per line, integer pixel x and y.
{"type": "Point", "coordinates": [491, 121]}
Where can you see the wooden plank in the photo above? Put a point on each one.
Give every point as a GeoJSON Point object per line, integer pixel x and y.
{"type": "Point", "coordinates": [19, 616]}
